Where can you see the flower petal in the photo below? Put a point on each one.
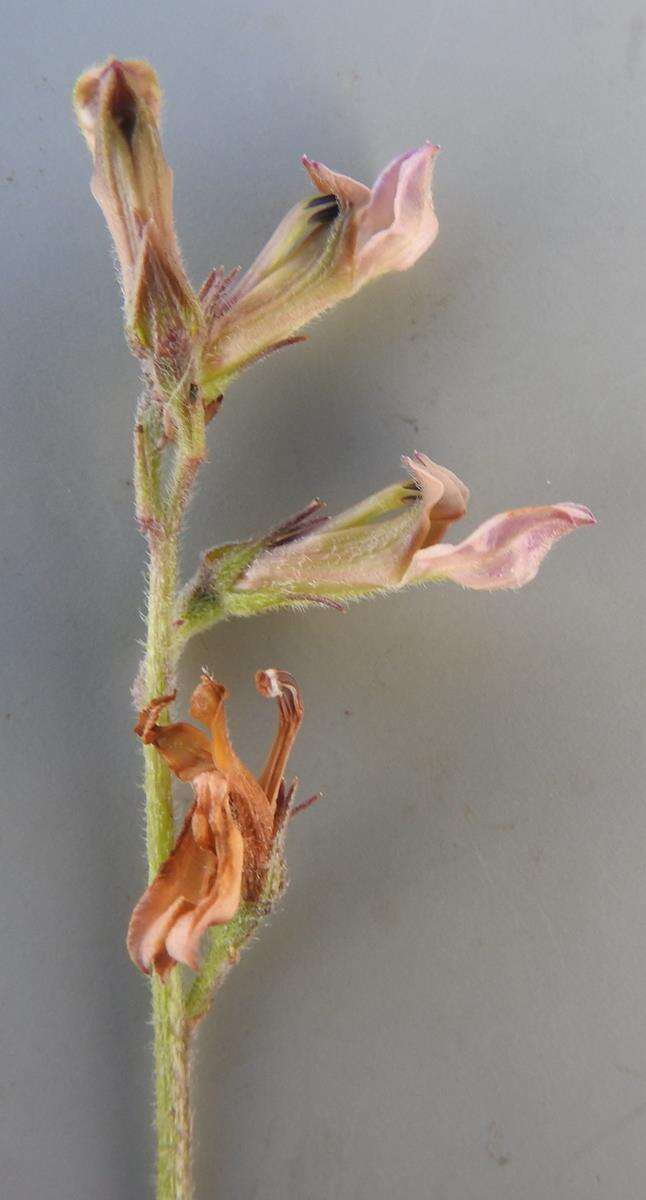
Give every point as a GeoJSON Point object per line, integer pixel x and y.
{"type": "Point", "coordinates": [180, 885]}
{"type": "Point", "coordinates": [254, 810]}
{"type": "Point", "coordinates": [222, 900]}
{"type": "Point", "coordinates": [381, 213]}
{"type": "Point", "coordinates": [400, 223]}
{"type": "Point", "coordinates": [280, 686]}
{"type": "Point", "coordinates": [505, 552]}
{"type": "Point", "coordinates": [445, 496]}
{"type": "Point", "coordinates": [187, 750]}
{"type": "Point", "coordinates": [346, 189]}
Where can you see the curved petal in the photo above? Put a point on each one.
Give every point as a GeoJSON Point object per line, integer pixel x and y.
{"type": "Point", "coordinates": [254, 810]}
{"type": "Point", "coordinates": [222, 899]}
{"type": "Point", "coordinates": [187, 750]}
{"type": "Point", "coordinates": [505, 552]}
{"type": "Point", "coordinates": [381, 212]}
{"type": "Point", "coordinates": [181, 883]}
{"type": "Point", "coordinates": [280, 686]}
{"type": "Point", "coordinates": [400, 223]}
{"type": "Point", "coordinates": [346, 189]}
{"type": "Point", "coordinates": [445, 496]}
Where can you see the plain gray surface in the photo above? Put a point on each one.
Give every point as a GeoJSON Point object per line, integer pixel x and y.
{"type": "Point", "coordinates": [450, 1004]}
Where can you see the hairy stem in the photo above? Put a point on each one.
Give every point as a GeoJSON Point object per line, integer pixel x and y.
{"type": "Point", "coordinates": [224, 945]}
{"type": "Point", "coordinates": [162, 498]}
{"type": "Point", "coordinates": [160, 513]}
{"type": "Point", "coordinates": [226, 941]}
{"type": "Point", "coordinates": [171, 1030]}
{"type": "Point", "coordinates": [172, 1089]}
{"type": "Point", "coordinates": [158, 676]}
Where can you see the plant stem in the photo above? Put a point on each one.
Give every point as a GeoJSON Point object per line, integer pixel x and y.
{"type": "Point", "coordinates": [172, 1089]}
{"type": "Point", "coordinates": [171, 1030]}
{"type": "Point", "coordinates": [158, 675]}
{"type": "Point", "coordinates": [160, 511]}
{"type": "Point", "coordinates": [225, 943]}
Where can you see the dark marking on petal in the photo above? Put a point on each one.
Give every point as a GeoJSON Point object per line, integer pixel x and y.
{"type": "Point", "coordinates": [325, 216]}
{"type": "Point", "coordinates": [330, 198]}
{"type": "Point", "coordinates": [123, 105]}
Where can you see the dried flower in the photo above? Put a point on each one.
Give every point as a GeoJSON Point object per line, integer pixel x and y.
{"type": "Point", "coordinates": [324, 250]}
{"type": "Point", "coordinates": [118, 108]}
{"type": "Point", "coordinates": [392, 540]}
{"type": "Point", "coordinates": [231, 832]}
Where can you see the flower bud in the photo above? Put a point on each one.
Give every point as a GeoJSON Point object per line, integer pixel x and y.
{"type": "Point", "coordinates": [118, 107]}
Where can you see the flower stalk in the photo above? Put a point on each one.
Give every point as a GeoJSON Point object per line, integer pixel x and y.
{"type": "Point", "coordinates": [171, 1032]}
{"type": "Point", "coordinates": [211, 883]}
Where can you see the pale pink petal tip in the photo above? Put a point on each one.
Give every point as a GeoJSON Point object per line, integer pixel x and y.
{"type": "Point", "coordinates": [504, 552]}
{"type": "Point", "coordinates": [581, 515]}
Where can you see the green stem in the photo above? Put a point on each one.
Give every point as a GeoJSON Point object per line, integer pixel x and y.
{"type": "Point", "coordinates": [161, 504]}
{"type": "Point", "coordinates": [159, 670]}
{"type": "Point", "coordinates": [224, 945]}
{"type": "Point", "coordinates": [171, 1029]}
{"type": "Point", "coordinates": [226, 941]}
{"type": "Point", "coordinates": [172, 1089]}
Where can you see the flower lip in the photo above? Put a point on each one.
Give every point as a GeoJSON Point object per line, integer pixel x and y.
{"type": "Point", "coordinates": [506, 551]}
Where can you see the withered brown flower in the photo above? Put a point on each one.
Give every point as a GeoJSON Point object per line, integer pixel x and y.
{"type": "Point", "coordinates": [225, 848]}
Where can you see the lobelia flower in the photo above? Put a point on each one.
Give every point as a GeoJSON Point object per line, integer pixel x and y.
{"type": "Point", "coordinates": [323, 251]}
{"type": "Point", "coordinates": [391, 540]}
{"type": "Point", "coordinates": [232, 832]}
{"type": "Point", "coordinates": [118, 108]}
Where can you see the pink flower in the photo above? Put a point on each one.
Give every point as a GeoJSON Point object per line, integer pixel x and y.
{"type": "Point", "coordinates": [394, 539]}
{"type": "Point", "coordinates": [504, 552]}
{"type": "Point", "coordinates": [323, 251]}
{"type": "Point", "coordinates": [395, 220]}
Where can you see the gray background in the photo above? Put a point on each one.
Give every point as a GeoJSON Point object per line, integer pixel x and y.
{"type": "Point", "coordinates": [451, 1002]}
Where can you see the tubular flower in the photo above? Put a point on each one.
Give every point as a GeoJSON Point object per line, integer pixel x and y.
{"type": "Point", "coordinates": [394, 539]}
{"type": "Point", "coordinates": [118, 108]}
{"type": "Point", "coordinates": [231, 832]}
{"type": "Point", "coordinates": [323, 251]}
